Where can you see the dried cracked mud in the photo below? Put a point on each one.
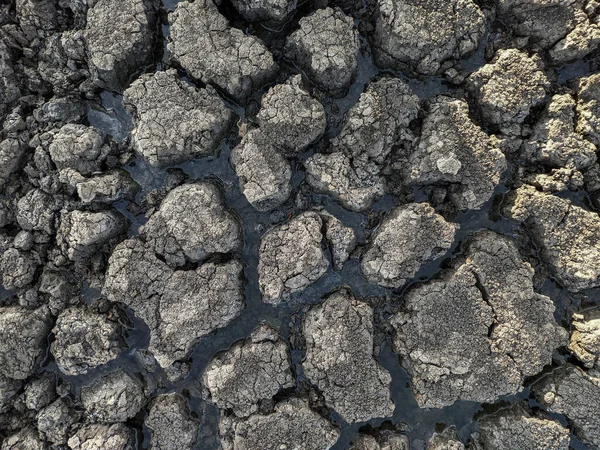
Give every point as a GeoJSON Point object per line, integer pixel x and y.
{"type": "Point", "coordinates": [299, 225]}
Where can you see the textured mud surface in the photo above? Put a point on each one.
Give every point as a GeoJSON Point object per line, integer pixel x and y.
{"type": "Point", "coordinates": [271, 224]}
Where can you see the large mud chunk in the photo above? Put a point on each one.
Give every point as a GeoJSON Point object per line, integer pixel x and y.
{"type": "Point", "coordinates": [378, 122]}
{"type": "Point", "coordinates": [566, 235]}
{"type": "Point", "coordinates": [84, 340]}
{"type": "Point", "coordinates": [10, 89]}
{"type": "Point", "coordinates": [40, 392]}
{"type": "Point", "coordinates": [425, 35]}
{"type": "Point", "coordinates": [478, 332]}
{"type": "Point", "coordinates": [374, 126]}
{"type": "Point", "coordinates": [193, 221]}
{"type": "Point", "coordinates": [340, 362]}
{"type": "Point", "coordinates": [519, 429]}
{"type": "Point", "coordinates": [117, 436]}
{"type": "Point", "coordinates": [583, 39]}
{"type": "Point", "coordinates": [210, 50]}
{"type": "Point", "coordinates": [291, 257]}
{"type": "Point", "coordinates": [23, 340]}
{"type": "Point", "coordinates": [79, 147]}
{"type": "Point", "coordinates": [82, 233]}
{"type": "Point", "coordinates": [194, 304]}
{"type": "Point", "coordinates": [115, 397]}
{"type": "Point", "coordinates": [554, 142]}
{"type": "Point", "coordinates": [250, 372]}
{"type": "Point", "coordinates": [576, 394]}
{"type": "Point", "coordinates": [62, 62]}
{"type": "Point", "coordinates": [588, 108]}
{"type": "Point", "coordinates": [17, 268]}
{"type": "Point", "coordinates": [180, 306]}
{"type": "Point", "coordinates": [453, 150]}
{"type": "Point", "coordinates": [585, 338]}
{"type": "Point", "coordinates": [337, 175]}
{"type": "Point", "coordinates": [276, 11]}
{"type": "Point", "coordinates": [446, 440]}
{"type": "Point", "coordinates": [120, 37]}
{"type": "Point", "coordinates": [9, 389]}
{"type": "Point", "coordinates": [290, 118]}
{"type": "Point", "coordinates": [265, 175]}
{"type": "Point", "coordinates": [136, 276]}
{"type": "Point", "coordinates": [174, 121]}
{"type": "Point", "coordinates": [55, 421]}
{"type": "Point", "coordinates": [37, 17]}
{"type": "Point", "coordinates": [544, 22]}
{"type": "Point", "coordinates": [26, 439]}
{"type": "Point", "coordinates": [36, 211]}
{"type": "Point", "coordinates": [106, 188]}
{"type": "Point", "coordinates": [342, 240]}
{"type": "Point", "coordinates": [410, 236]}
{"type": "Point", "coordinates": [382, 440]}
{"type": "Point", "coordinates": [60, 110]}
{"type": "Point", "coordinates": [326, 48]}
{"type": "Point", "coordinates": [293, 425]}
{"type": "Point", "coordinates": [12, 158]}
{"type": "Point", "coordinates": [172, 425]}
{"type": "Point", "coordinates": [507, 88]}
